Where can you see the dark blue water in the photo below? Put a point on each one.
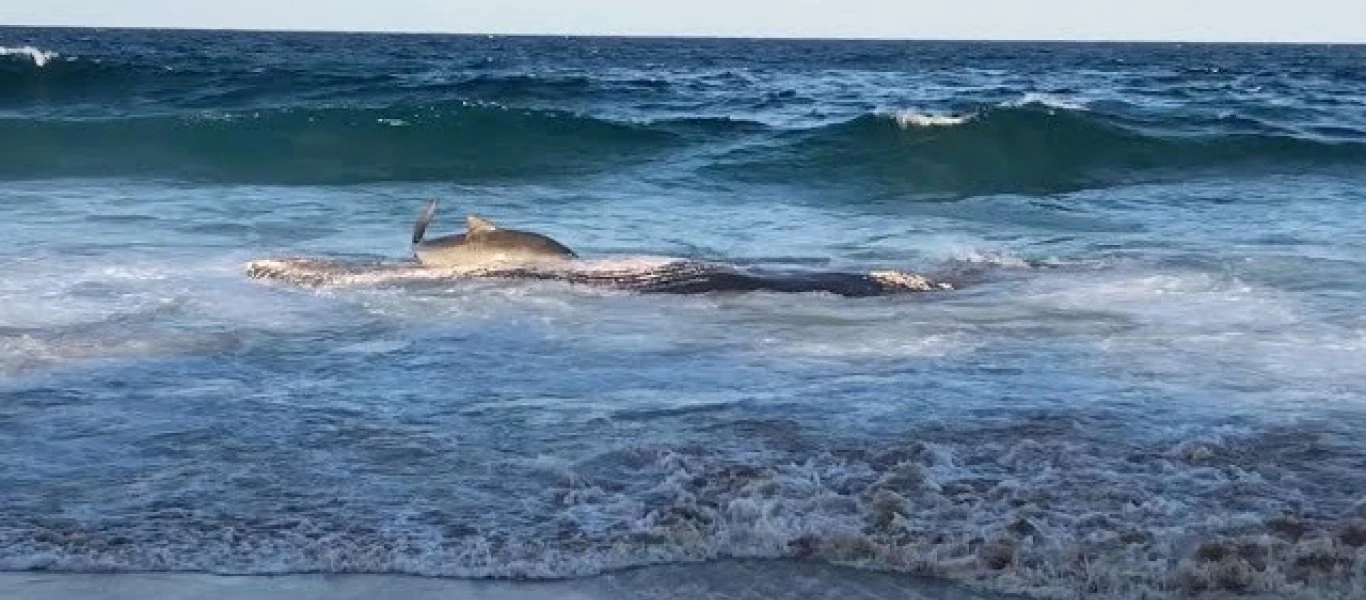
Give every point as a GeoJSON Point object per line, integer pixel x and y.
{"type": "Point", "coordinates": [1155, 384]}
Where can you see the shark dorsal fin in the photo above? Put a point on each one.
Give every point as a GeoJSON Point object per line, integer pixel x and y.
{"type": "Point", "coordinates": [477, 224]}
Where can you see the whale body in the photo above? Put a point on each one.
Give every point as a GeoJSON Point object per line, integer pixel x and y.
{"type": "Point", "coordinates": [488, 251]}
{"type": "Point", "coordinates": [645, 275]}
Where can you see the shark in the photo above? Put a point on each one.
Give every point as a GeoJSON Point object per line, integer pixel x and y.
{"type": "Point", "coordinates": [484, 245]}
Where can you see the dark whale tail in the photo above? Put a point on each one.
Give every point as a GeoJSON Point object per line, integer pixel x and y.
{"type": "Point", "coordinates": [423, 220]}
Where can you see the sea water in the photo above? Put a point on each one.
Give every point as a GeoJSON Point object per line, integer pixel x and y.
{"type": "Point", "coordinates": [1154, 386]}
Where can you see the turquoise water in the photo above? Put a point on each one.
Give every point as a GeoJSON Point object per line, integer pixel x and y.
{"type": "Point", "coordinates": [1154, 384]}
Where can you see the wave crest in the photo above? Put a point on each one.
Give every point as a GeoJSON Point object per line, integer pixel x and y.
{"type": "Point", "coordinates": [39, 57]}
{"type": "Point", "coordinates": [476, 141]}
{"type": "Point", "coordinates": [1054, 101]}
{"type": "Point", "coordinates": [910, 119]}
{"type": "Point", "coordinates": [1033, 148]}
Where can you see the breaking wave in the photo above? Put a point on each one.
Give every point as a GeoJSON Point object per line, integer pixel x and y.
{"type": "Point", "coordinates": [1031, 148]}
{"type": "Point", "coordinates": [39, 57]}
{"type": "Point", "coordinates": [910, 119]}
{"type": "Point", "coordinates": [998, 150]}
{"type": "Point", "coordinates": [1048, 506]}
{"type": "Point", "coordinates": [328, 145]}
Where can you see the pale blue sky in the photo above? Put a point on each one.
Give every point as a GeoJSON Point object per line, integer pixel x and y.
{"type": "Point", "coordinates": [1197, 20]}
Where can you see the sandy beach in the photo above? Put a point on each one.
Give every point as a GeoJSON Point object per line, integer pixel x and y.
{"type": "Point", "coordinates": [737, 580]}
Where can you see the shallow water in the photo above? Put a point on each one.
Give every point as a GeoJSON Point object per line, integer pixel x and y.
{"type": "Point", "coordinates": [732, 580]}
{"type": "Point", "coordinates": [1153, 386]}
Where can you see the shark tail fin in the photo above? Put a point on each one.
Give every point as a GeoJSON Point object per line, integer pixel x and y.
{"type": "Point", "coordinates": [423, 220]}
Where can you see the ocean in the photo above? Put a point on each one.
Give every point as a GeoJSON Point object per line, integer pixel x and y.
{"type": "Point", "coordinates": [1152, 385]}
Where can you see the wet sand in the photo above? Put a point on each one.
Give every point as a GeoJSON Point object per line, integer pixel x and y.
{"type": "Point", "coordinates": [739, 580]}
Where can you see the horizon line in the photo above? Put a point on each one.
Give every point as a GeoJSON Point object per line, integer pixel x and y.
{"type": "Point", "coordinates": [689, 36]}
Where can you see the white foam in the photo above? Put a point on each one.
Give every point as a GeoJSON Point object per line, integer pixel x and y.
{"type": "Point", "coordinates": [1049, 100]}
{"type": "Point", "coordinates": [914, 119]}
{"type": "Point", "coordinates": [126, 289]}
{"type": "Point", "coordinates": [64, 310]}
{"type": "Point", "coordinates": [978, 255]}
{"type": "Point", "coordinates": [1005, 506]}
{"type": "Point", "coordinates": [906, 339]}
{"type": "Point", "coordinates": [1187, 301]}
{"type": "Point", "coordinates": [39, 57]}
{"type": "Point", "coordinates": [1214, 331]}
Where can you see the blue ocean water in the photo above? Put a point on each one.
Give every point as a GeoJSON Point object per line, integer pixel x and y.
{"type": "Point", "coordinates": [1154, 387]}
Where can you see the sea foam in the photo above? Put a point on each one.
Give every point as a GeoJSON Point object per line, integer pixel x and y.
{"type": "Point", "coordinates": [39, 57]}
{"type": "Point", "coordinates": [1049, 507]}
{"type": "Point", "coordinates": [913, 119]}
{"type": "Point", "coordinates": [1048, 100]}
